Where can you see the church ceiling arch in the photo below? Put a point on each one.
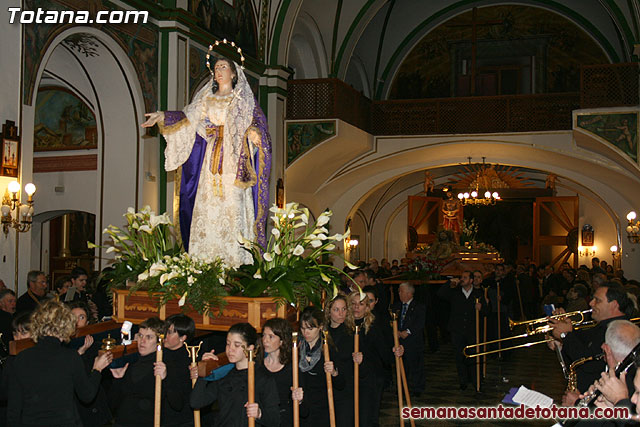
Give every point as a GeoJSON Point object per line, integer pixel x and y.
{"type": "Point", "coordinates": [308, 53]}
{"type": "Point", "coordinates": [557, 42]}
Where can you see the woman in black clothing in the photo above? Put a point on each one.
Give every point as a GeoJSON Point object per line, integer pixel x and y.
{"type": "Point", "coordinates": [312, 392]}
{"type": "Point", "coordinates": [45, 378]}
{"type": "Point", "coordinates": [180, 329]}
{"type": "Point", "coordinates": [339, 319]}
{"type": "Point", "coordinates": [274, 358]}
{"type": "Point", "coordinates": [231, 391]}
{"type": "Point", "coordinates": [376, 350]}
{"type": "Point", "coordinates": [133, 390]}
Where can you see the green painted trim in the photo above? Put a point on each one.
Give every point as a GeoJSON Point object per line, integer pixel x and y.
{"type": "Point", "coordinates": [633, 18]}
{"type": "Point", "coordinates": [275, 41]}
{"type": "Point", "coordinates": [264, 101]}
{"type": "Point", "coordinates": [350, 32]}
{"type": "Point", "coordinates": [336, 23]}
{"type": "Point", "coordinates": [163, 101]}
{"type": "Point", "coordinates": [381, 41]}
{"type": "Point", "coordinates": [586, 25]}
{"type": "Point", "coordinates": [622, 20]}
{"type": "Point", "coordinates": [277, 90]}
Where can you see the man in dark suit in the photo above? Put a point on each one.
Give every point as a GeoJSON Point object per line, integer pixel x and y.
{"type": "Point", "coordinates": [411, 318]}
{"type": "Point", "coordinates": [465, 300]}
{"type": "Point", "coordinates": [610, 302]}
{"type": "Point", "coordinates": [36, 293]}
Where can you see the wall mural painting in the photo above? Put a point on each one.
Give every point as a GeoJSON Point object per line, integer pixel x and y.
{"type": "Point", "coordinates": [63, 122]}
{"type": "Point", "coordinates": [301, 136]}
{"type": "Point", "coordinates": [231, 21]}
{"type": "Point", "coordinates": [139, 41]}
{"type": "Point", "coordinates": [510, 41]}
{"type": "Point", "coordinates": [619, 129]}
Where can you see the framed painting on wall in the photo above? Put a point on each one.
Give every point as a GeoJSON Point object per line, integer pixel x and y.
{"type": "Point", "coordinates": [10, 150]}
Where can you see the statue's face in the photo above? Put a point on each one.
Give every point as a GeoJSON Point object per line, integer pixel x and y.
{"type": "Point", "coordinates": [223, 73]}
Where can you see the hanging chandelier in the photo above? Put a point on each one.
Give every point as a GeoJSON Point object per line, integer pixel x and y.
{"type": "Point", "coordinates": [486, 179]}
{"type": "Point", "coordinates": [471, 198]}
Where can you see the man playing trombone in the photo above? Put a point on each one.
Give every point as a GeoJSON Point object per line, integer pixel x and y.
{"type": "Point", "coordinates": [609, 302]}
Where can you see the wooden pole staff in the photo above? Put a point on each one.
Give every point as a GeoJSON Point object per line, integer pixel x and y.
{"type": "Point", "coordinates": [193, 353]}
{"type": "Point", "coordinates": [356, 379]}
{"type": "Point", "coordinates": [294, 362]}
{"type": "Point", "coordinates": [522, 317]}
{"type": "Point", "coordinates": [484, 334]}
{"type": "Point", "coordinates": [396, 343]}
{"type": "Point", "coordinates": [251, 379]}
{"type": "Point", "coordinates": [332, 413]}
{"type": "Point", "coordinates": [499, 320]}
{"type": "Point", "coordinates": [158, 397]}
{"type": "Point", "coordinates": [475, 308]}
{"type": "Point", "coordinates": [405, 386]}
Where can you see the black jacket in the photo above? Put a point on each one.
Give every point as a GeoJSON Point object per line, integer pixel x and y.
{"type": "Point", "coordinates": [133, 396]}
{"type": "Point", "coordinates": [462, 318]}
{"type": "Point", "coordinates": [42, 396]}
{"type": "Point", "coordinates": [231, 394]}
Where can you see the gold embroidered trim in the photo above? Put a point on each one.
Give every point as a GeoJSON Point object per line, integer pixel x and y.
{"type": "Point", "coordinates": [168, 130]}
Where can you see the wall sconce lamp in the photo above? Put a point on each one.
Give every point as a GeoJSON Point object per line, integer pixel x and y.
{"type": "Point", "coordinates": [14, 213]}
{"type": "Point", "coordinates": [352, 244]}
{"type": "Point", "coordinates": [587, 251]}
{"type": "Point", "coordinates": [615, 254]}
{"type": "Point", "coordinates": [633, 228]}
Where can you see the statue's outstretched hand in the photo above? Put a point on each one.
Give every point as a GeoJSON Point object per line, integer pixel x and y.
{"type": "Point", "coordinates": [153, 118]}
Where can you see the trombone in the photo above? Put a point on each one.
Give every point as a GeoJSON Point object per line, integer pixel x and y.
{"type": "Point", "coordinates": [531, 330]}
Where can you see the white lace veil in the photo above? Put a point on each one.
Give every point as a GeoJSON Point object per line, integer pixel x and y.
{"type": "Point", "coordinates": [239, 115]}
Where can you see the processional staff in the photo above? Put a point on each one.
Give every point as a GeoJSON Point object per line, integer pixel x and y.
{"type": "Point", "coordinates": [396, 343]}
{"type": "Point", "coordinates": [356, 379]}
{"type": "Point", "coordinates": [251, 380]}
{"type": "Point", "coordinates": [484, 333]}
{"type": "Point", "coordinates": [193, 353]}
{"type": "Point", "coordinates": [499, 323]}
{"type": "Point", "coordinates": [477, 342]}
{"type": "Point", "coordinates": [402, 375]}
{"type": "Point", "coordinates": [294, 362]}
{"type": "Point", "coordinates": [332, 413]}
{"type": "Point", "coordinates": [158, 397]}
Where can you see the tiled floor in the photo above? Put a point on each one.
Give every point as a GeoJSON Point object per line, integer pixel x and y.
{"type": "Point", "coordinates": [536, 368]}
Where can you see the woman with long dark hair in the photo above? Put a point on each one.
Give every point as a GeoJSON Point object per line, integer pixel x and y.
{"type": "Point", "coordinates": [231, 391]}
{"type": "Point", "coordinates": [274, 358]}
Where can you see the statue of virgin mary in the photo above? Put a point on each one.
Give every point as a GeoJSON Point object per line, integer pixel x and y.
{"type": "Point", "coordinates": [222, 143]}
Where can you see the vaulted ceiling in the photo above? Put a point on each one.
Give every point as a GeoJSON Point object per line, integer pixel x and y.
{"type": "Point", "coordinates": [364, 42]}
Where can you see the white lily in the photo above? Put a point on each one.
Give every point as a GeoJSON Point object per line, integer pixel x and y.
{"type": "Point", "coordinates": [299, 250]}
{"type": "Point", "coordinates": [316, 243]}
{"type": "Point", "coordinates": [276, 249]}
{"type": "Point", "coordinates": [325, 278]}
{"type": "Point", "coordinates": [330, 247]}
{"type": "Point", "coordinates": [337, 237]}
{"type": "Point", "coordinates": [143, 276]}
{"type": "Point", "coordinates": [322, 220]}
{"type": "Point", "coordinates": [190, 280]}
{"type": "Point", "coordinates": [267, 257]}
{"type": "Point", "coordinates": [304, 218]}
{"type": "Point", "coordinates": [111, 249]}
{"type": "Point", "coordinates": [146, 229]}
{"type": "Point", "coordinates": [320, 230]}
{"type": "Point", "coordinates": [257, 275]}
{"type": "Point", "coordinates": [167, 276]}
{"type": "Point", "coordinates": [182, 300]}
{"type": "Point", "coordinates": [275, 232]}
{"type": "Point", "coordinates": [157, 268]}
{"type": "Point", "coordinates": [130, 210]}
{"type": "Point", "coordinates": [322, 236]}
{"type": "Point", "coordinates": [351, 266]}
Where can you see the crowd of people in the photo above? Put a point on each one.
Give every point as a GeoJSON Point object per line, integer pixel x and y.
{"type": "Point", "coordinates": [86, 388]}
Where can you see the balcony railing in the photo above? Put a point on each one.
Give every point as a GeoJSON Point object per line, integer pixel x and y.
{"type": "Point", "coordinates": [601, 86]}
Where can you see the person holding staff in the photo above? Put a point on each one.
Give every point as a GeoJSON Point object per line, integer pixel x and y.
{"type": "Point", "coordinates": [231, 392]}
{"type": "Point", "coordinates": [312, 393]}
{"type": "Point", "coordinates": [274, 359]}
{"type": "Point", "coordinates": [376, 350]}
{"type": "Point", "coordinates": [42, 396]}
{"type": "Point", "coordinates": [339, 321]}
{"type": "Point", "coordinates": [132, 393]}
{"type": "Point", "coordinates": [177, 412]}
